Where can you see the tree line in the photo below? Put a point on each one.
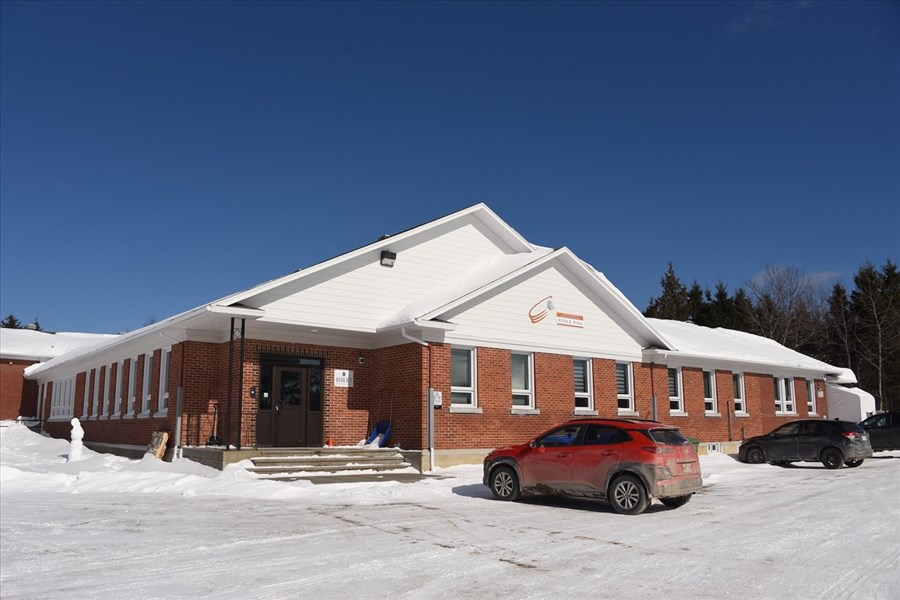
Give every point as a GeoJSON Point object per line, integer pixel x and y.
{"type": "Point", "coordinates": [858, 328]}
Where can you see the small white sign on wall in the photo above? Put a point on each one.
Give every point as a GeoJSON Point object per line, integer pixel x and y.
{"type": "Point", "coordinates": [343, 378]}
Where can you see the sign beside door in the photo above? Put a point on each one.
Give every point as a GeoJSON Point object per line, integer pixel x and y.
{"type": "Point", "coordinates": [343, 378]}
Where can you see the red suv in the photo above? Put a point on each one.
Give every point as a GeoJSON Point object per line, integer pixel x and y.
{"type": "Point", "coordinates": [627, 462]}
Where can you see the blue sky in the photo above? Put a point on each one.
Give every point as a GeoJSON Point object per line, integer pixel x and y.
{"type": "Point", "coordinates": [155, 156]}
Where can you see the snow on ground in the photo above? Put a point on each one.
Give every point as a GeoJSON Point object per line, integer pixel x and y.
{"type": "Point", "coordinates": [112, 528]}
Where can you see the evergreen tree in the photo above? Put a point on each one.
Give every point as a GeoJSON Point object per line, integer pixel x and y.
{"type": "Point", "coordinates": [11, 322]}
{"type": "Point", "coordinates": [674, 301]}
{"type": "Point", "coordinates": [875, 311]}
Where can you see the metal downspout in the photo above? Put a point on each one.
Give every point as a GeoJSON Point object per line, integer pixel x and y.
{"type": "Point", "coordinates": [179, 395]}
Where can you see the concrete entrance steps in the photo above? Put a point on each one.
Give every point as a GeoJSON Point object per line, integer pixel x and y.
{"type": "Point", "coordinates": [290, 464]}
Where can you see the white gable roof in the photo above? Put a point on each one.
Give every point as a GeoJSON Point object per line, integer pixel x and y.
{"type": "Point", "coordinates": [705, 344]}
{"type": "Point", "coordinates": [459, 258]}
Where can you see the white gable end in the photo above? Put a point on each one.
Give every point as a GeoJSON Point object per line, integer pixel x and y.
{"type": "Point", "coordinates": [550, 311]}
{"type": "Point", "coordinates": [359, 293]}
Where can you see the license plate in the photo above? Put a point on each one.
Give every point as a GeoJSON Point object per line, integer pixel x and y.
{"type": "Point", "coordinates": [688, 468]}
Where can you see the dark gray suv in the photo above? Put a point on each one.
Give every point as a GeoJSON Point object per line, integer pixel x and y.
{"type": "Point", "coordinates": [883, 430]}
{"type": "Point", "coordinates": [833, 443]}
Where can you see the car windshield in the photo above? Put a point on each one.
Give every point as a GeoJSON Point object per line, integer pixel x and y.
{"type": "Point", "coordinates": [668, 437]}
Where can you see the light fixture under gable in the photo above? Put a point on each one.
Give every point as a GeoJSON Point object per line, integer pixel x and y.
{"type": "Point", "coordinates": [388, 258]}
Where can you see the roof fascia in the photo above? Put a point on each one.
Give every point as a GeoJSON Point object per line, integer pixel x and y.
{"type": "Point", "coordinates": [653, 354]}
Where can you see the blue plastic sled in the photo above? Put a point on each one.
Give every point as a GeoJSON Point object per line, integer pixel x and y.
{"type": "Point", "coordinates": [383, 429]}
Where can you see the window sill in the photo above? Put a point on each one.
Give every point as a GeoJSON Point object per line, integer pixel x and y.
{"type": "Point", "coordinates": [711, 413]}
{"type": "Point", "coordinates": [785, 414]}
{"type": "Point", "coordinates": [104, 417]}
{"type": "Point", "coordinates": [128, 416]}
{"type": "Point", "coordinates": [161, 413]}
{"type": "Point", "coordinates": [144, 415]}
{"type": "Point", "coordinates": [60, 418]}
{"type": "Point", "coordinates": [677, 413]}
{"type": "Point", "coordinates": [628, 413]}
{"type": "Point", "coordinates": [585, 412]}
{"type": "Point", "coordinates": [524, 411]}
{"type": "Point", "coordinates": [742, 415]}
{"type": "Point", "coordinates": [465, 410]}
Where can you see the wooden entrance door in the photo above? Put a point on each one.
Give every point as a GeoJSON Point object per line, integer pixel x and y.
{"type": "Point", "coordinates": [292, 415]}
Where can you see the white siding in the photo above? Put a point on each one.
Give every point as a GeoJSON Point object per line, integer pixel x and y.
{"type": "Point", "coordinates": [503, 320]}
{"type": "Point", "coordinates": [361, 293]}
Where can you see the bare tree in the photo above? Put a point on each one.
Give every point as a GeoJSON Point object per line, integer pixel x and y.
{"type": "Point", "coordinates": [789, 306]}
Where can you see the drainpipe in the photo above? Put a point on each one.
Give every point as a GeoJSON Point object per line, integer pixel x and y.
{"type": "Point", "coordinates": [430, 411]}
{"type": "Point", "coordinates": [179, 403]}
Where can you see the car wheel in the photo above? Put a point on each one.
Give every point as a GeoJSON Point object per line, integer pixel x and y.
{"type": "Point", "coordinates": [755, 456]}
{"type": "Point", "coordinates": [676, 501]}
{"type": "Point", "coordinates": [627, 495]}
{"type": "Point", "coordinates": [832, 458]}
{"type": "Point", "coordinates": [504, 484]}
{"type": "Point", "coordinates": [853, 463]}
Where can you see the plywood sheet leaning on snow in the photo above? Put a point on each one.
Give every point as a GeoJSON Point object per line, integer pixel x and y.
{"type": "Point", "coordinates": [157, 445]}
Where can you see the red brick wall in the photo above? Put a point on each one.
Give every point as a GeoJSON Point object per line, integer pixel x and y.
{"type": "Point", "coordinates": [18, 396]}
{"type": "Point", "coordinates": [392, 383]}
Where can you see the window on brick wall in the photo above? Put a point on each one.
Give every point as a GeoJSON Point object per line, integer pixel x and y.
{"type": "Point", "coordinates": [811, 396]}
{"type": "Point", "coordinates": [740, 403]}
{"type": "Point", "coordinates": [522, 381]}
{"type": "Point", "coordinates": [132, 386]}
{"type": "Point", "coordinates": [676, 397]}
{"type": "Point", "coordinates": [710, 402]}
{"type": "Point", "coordinates": [584, 384]}
{"type": "Point", "coordinates": [107, 390]}
{"type": "Point", "coordinates": [85, 403]}
{"type": "Point", "coordinates": [62, 401]}
{"type": "Point", "coordinates": [624, 391]}
{"type": "Point", "coordinates": [120, 387]}
{"type": "Point", "coordinates": [164, 379]}
{"type": "Point", "coordinates": [96, 392]}
{"type": "Point", "coordinates": [784, 394]}
{"type": "Point", "coordinates": [462, 377]}
{"type": "Point", "coordinates": [146, 392]}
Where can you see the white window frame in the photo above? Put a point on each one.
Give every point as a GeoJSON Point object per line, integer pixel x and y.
{"type": "Point", "coordinates": [147, 384]}
{"type": "Point", "coordinates": [586, 396]}
{"type": "Point", "coordinates": [96, 393]}
{"type": "Point", "coordinates": [676, 402]}
{"type": "Point", "coordinates": [86, 397]}
{"type": "Point", "coordinates": [62, 402]}
{"type": "Point", "coordinates": [132, 386]}
{"type": "Point", "coordinates": [165, 365]}
{"type": "Point", "coordinates": [711, 402]}
{"type": "Point", "coordinates": [738, 378]}
{"type": "Point", "coordinates": [107, 392]}
{"type": "Point", "coordinates": [628, 397]}
{"type": "Point", "coordinates": [784, 396]}
{"type": "Point", "coordinates": [470, 391]}
{"type": "Point", "coordinates": [811, 407]}
{"type": "Point", "coordinates": [527, 392]}
{"type": "Point", "coordinates": [120, 387]}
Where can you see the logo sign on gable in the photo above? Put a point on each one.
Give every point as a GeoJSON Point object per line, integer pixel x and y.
{"type": "Point", "coordinates": [546, 307]}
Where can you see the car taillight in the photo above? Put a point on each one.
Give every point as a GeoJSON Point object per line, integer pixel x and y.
{"type": "Point", "coordinates": [850, 434]}
{"type": "Point", "coordinates": [659, 450]}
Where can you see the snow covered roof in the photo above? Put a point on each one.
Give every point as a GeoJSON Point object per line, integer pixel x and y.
{"type": "Point", "coordinates": [27, 344]}
{"type": "Point", "coordinates": [692, 341]}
